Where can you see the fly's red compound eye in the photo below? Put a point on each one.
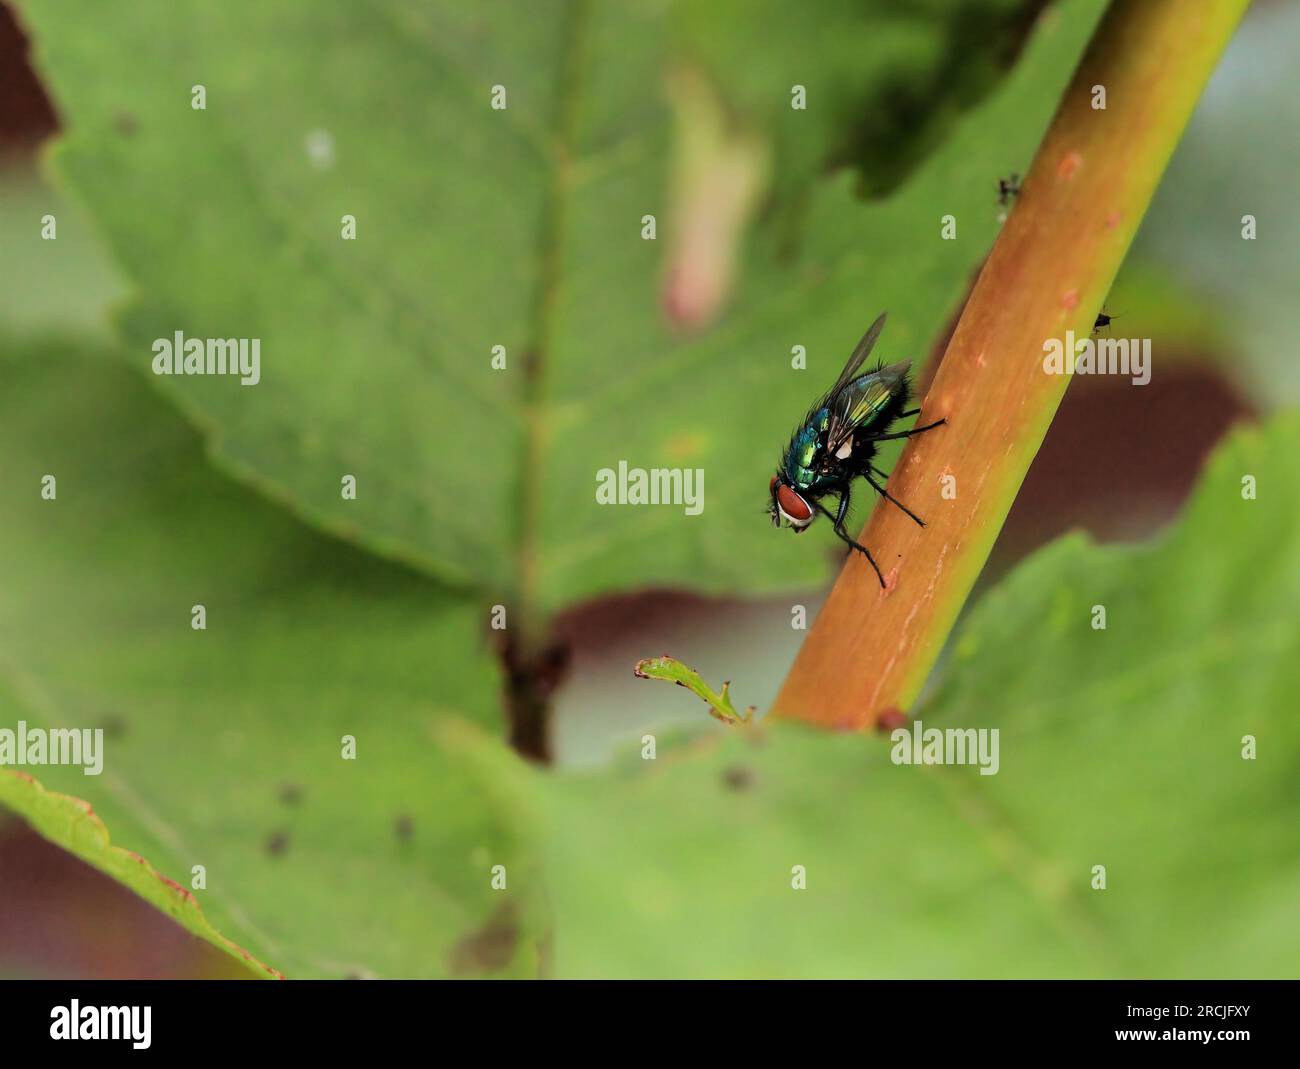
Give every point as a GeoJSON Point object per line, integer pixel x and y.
{"type": "Point", "coordinates": [793, 505]}
{"type": "Point", "coordinates": [772, 485]}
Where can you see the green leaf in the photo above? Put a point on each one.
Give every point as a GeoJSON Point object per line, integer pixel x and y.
{"type": "Point", "coordinates": [223, 747]}
{"type": "Point", "coordinates": [883, 82]}
{"type": "Point", "coordinates": [1120, 747]}
{"type": "Point", "coordinates": [522, 228]}
{"type": "Point", "coordinates": [72, 824]}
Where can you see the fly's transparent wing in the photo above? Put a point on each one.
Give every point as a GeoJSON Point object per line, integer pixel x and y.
{"type": "Point", "coordinates": [860, 400]}
{"type": "Point", "coordinates": [860, 353]}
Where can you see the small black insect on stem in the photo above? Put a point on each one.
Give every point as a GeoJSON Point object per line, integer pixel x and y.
{"type": "Point", "coordinates": [1008, 188]}
{"type": "Point", "coordinates": [1103, 320]}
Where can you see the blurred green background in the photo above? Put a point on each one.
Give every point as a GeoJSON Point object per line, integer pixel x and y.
{"type": "Point", "coordinates": [522, 228]}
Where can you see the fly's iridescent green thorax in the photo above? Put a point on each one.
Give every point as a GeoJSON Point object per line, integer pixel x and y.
{"type": "Point", "coordinates": [837, 441]}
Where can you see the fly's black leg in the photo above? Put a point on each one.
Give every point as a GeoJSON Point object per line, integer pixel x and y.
{"type": "Point", "coordinates": [907, 434]}
{"type": "Point", "coordinates": [913, 412]}
{"type": "Point", "coordinates": [887, 495]}
{"type": "Point", "coordinates": [843, 510]}
{"type": "Point", "coordinates": [838, 522]}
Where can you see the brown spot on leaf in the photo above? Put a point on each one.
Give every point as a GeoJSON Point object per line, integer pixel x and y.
{"type": "Point", "coordinates": [738, 778]}
{"type": "Point", "coordinates": [491, 948]}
